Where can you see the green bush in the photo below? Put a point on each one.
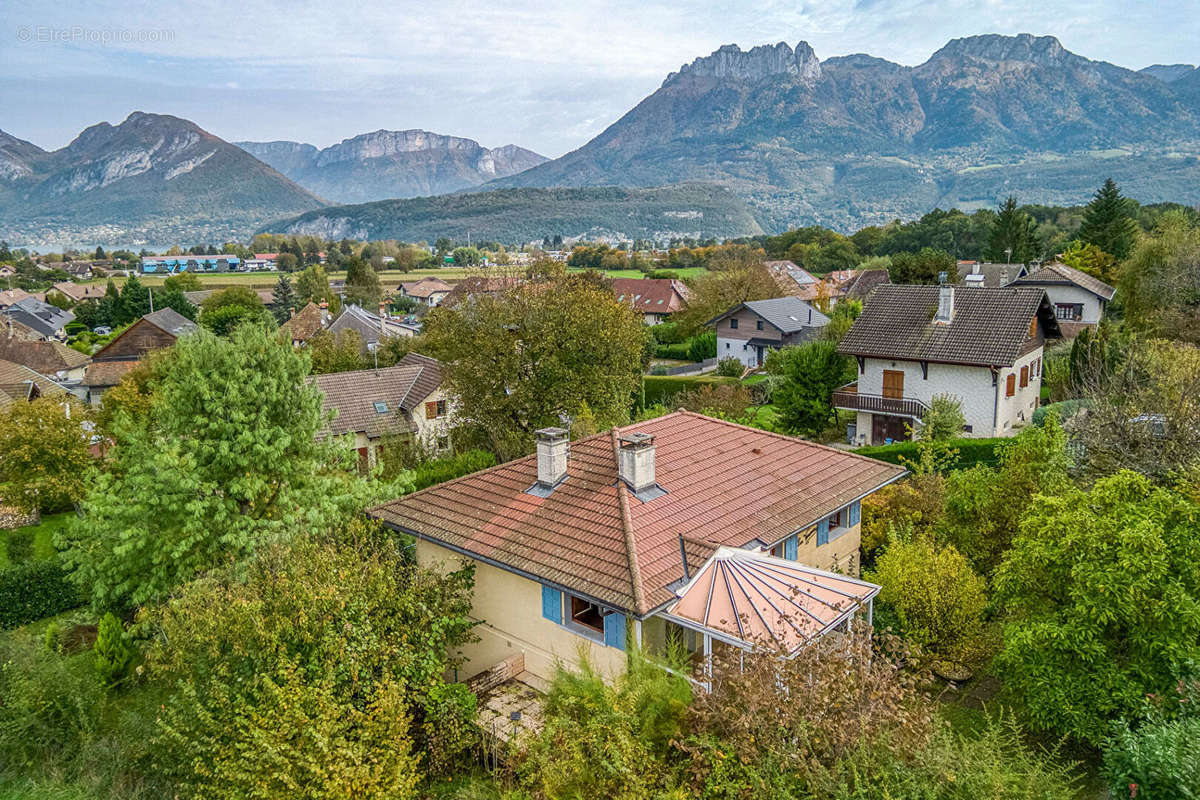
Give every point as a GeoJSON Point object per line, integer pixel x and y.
{"type": "Point", "coordinates": [1160, 759]}
{"type": "Point", "coordinates": [702, 346]}
{"type": "Point", "coordinates": [20, 546]}
{"type": "Point", "coordinates": [680, 351]}
{"type": "Point", "coordinates": [1065, 410]}
{"type": "Point", "coordinates": [113, 653]}
{"type": "Point", "coordinates": [730, 367]}
{"type": "Point", "coordinates": [667, 333]}
{"type": "Point", "coordinates": [970, 452]}
{"type": "Point", "coordinates": [35, 590]}
{"type": "Point", "coordinates": [659, 389]}
{"type": "Point", "coordinates": [444, 469]}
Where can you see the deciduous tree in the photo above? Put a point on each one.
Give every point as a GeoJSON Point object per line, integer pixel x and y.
{"type": "Point", "coordinates": [44, 459]}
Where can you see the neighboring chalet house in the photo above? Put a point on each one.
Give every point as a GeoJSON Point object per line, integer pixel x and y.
{"type": "Point", "coordinates": [406, 400]}
{"type": "Point", "coordinates": [20, 383]}
{"type": "Point", "coordinates": [10, 297]}
{"type": "Point", "coordinates": [111, 363]}
{"type": "Point", "coordinates": [749, 331]}
{"type": "Point", "coordinates": [988, 275]}
{"type": "Point", "coordinates": [305, 324]}
{"type": "Point", "coordinates": [683, 529]}
{"type": "Point", "coordinates": [78, 291]}
{"type": "Point", "coordinates": [46, 321]}
{"type": "Point", "coordinates": [371, 328]}
{"type": "Point", "coordinates": [654, 298]}
{"type": "Point", "coordinates": [983, 346]}
{"type": "Point", "coordinates": [1079, 299]}
{"type": "Point", "coordinates": [430, 291]}
{"type": "Point", "coordinates": [52, 359]}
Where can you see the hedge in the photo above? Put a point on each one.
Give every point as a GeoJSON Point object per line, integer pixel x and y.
{"type": "Point", "coordinates": [970, 451]}
{"type": "Point", "coordinates": [35, 590]}
{"type": "Point", "coordinates": [444, 469]}
{"type": "Point", "coordinates": [659, 389]}
{"type": "Point", "coordinates": [1064, 408]}
{"type": "Point", "coordinates": [697, 348]}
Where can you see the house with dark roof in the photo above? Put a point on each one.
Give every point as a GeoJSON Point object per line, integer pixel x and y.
{"type": "Point", "coordinates": [20, 383]}
{"type": "Point", "coordinates": [989, 275]}
{"type": "Point", "coordinates": [52, 359]}
{"type": "Point", "coordinates": [654, 298]}
{"type": "Point", "coordinates": [750, 330]}
{"type": "Point", "coordinates": [155, 331]}
{"type": "Point", "coordinates": [681, 529]}
{"type": "Point", "coordinates": [982, 346]}
{"type": "Point", "coordinates": [862, 281]}
{"type": "Point", "coordinates": [1079, 299]}
{"type": "Point", "coordinates": [45, 320]}
{"type": "Point", "coordinates": [372, 328]}
{"type": "Point", "coordinates": [372, 406]}
{"type": "Point", "coordinates": [305, 324]}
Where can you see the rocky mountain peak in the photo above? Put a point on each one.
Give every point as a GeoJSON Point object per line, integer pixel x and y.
{"type": "Point", "coordinates": [997, 47]}
{"type": "Point", "coordinates": [730, 61]}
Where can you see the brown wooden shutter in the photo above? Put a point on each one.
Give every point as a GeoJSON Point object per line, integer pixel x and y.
{"type": "Point", "coordinates": [1024, 377]}
{"type": "Point", "coordinates": [1010, 387]}
{"type": "Point", "coordinates": [431, 410]}
{"type": "Point", "coordinates": [1033, 327]}
{"type": "Point", "coordinates": [893, 384]}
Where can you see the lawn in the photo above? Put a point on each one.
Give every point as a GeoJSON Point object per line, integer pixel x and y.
{"type": "Point", "coordinates": [43, 536]}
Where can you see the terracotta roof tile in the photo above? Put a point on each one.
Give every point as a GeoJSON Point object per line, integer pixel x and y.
{"type": "Point", "coordinates": [44, 357]}
{"type": "Point", "coordinates": [107, 373]}
{"type": "Point", "coordinates": [307, 323]}
{"type": "Point", "coordinates": [726, 484]}
{"type": "Point", "coordinates": [17, 380]}
{"type": "Point", "coordinates": [654, 295]}
{"type": "Point", "coordinates": [354, 395]}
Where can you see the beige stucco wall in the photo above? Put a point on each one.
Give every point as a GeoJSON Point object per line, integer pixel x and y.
{"type": "Point", "coordinates": [510, 609]}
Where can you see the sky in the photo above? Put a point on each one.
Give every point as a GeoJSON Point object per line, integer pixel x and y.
{"type": "Point", "coordinates": [543, 75]}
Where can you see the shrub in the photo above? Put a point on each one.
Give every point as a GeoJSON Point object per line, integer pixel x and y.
{"type": "Point", "coordinates": [1159, 759]}
{"type": "Point", "coordinates": [944, 419]}
{"type": "Point", "coordinates": [1065, 409]}
{"type": "Point", "coordinates": [730, 367]}
{"type": "Point", "coordinates": [667, 333]}
{"type": "Point", "coordinates": [970, 452]}
{"type": "Point", "coordinates": [34, 590]}
{"type": "Point", "coordinates": [444, 469]}
{"type": "Point", "coordinates": [679, 351]}
{"type": "Point", "coordinates": [728, 401]}
{"type": "Point", "coordinates": [20, 546]}
{"type": "Point", "coordinates": [113, 653]}
{"type": "Point", "coordinates": [937, 598]}
{"type": "Point", "coordinates": [661, 389]}
{"type": "Point", "coordinates": [703, 346]}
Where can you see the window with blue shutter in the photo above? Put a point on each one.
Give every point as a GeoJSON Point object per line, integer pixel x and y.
{"type": "Point", "coordinates": [614, 630]}
{"type": "Point", "coordinates": [552, 604]}
{"type": "Point", "coordinates": [823, 532]}
{"type": "Point", "coordinates": [789, 548]}
{"type": "Point", "coordinates": [855, 513]}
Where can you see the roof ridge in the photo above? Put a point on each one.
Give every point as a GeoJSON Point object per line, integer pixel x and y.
{"type": "Point", "coordinates": [635, 572]}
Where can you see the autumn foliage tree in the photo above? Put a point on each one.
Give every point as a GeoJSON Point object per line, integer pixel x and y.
{"type": "Point", "coordinates": [44, 456]}
{"type": "Point", "coordinates": [520, 359]}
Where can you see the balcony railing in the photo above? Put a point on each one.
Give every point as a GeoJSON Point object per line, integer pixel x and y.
{"type": "Point", "coordinates": [849, 398]}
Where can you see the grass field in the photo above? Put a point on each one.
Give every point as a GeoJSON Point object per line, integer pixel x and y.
{"type": "Point", "coordinates": [43, 536]}
{"type": "Point", "coordinates": [389, 278]}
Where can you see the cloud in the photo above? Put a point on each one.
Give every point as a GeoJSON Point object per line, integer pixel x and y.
{"type": "Point", "coordinates": [546, 75]}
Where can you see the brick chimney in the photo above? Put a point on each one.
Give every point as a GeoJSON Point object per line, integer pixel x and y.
{"type": "Point", "coordinates": [552, 450]}
{"type": "Point", "coordinates": [635, 461]}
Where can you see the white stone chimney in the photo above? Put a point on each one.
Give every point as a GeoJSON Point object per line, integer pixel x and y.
{"type": "Point", "coordinates": [552, 446]}
{"type": "Point", "coordinates": [945, 309]}
{"type": "Point", "coordinates": [635, 461]}
{"type": "Point", "coordinates": [975, 268]}
{"type": "Point", "coordinates": [1004, 275]}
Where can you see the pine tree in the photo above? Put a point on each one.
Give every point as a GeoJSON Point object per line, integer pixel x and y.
{"type": "Point", "coordinates": [1014, 235]}
{"type": "Point", "coordinates": [135, 300]}
{"type": "Point", "coordinates": [1108, 221]}
{"type": "Point", "coordinates": [283, 300]}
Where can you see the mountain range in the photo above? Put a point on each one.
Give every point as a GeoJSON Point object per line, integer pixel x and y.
{"type": "Point", "coordinates": [856, 139]}
{"type": "Point", "coordinates": [153, 178]}
{"type": "Point", "coordinates": [778, 138]}
{"type": "Point", "coordinates": [391, 164]}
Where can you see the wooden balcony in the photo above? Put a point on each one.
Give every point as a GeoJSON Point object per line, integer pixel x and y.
{"type": "Point", "coordinates": [849, 398]}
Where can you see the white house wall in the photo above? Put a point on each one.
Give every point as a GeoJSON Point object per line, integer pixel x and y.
{"type": "Point", "coordinates": [981, 401]}
{"type": "Point", "coordinates": [1092, 305]}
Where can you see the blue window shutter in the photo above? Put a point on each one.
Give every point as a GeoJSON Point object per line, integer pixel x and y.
{"type": "Point", "coordinates": [855, 512]}
{"type": "Point", "coordinates": [552, 604]}
{"type": "Point", "coordinates": [789, 548]}
{"type": "Point", "coordinates": [823, 532]}
{"type": "Point", "coordinates": [614, 630]}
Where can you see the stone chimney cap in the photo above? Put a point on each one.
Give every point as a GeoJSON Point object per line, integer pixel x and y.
{"type": "Point", "coordinates": [551, 434]}
{"type": "Point", "coordinates": [636, 440]}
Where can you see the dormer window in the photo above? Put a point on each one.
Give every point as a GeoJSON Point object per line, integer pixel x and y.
{"type": "Point", "coordinates": [380, 407]}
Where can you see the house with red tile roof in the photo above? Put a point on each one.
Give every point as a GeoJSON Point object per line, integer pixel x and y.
{"type": "Point", "coordinates": [654, 298]}
{"type": "Point", "coordinates": [428, 290]}
{"type": "Point", "coordinates": [584, 546]}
